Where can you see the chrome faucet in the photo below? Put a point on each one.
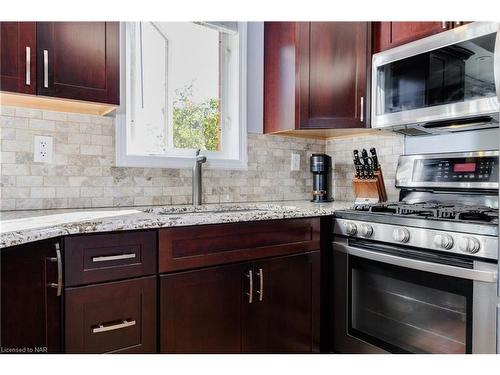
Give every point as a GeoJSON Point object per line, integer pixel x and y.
{"type": "Point", "coordinates": [197, 186]}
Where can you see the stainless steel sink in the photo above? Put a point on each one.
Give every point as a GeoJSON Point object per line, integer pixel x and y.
{"type": "Point", "coordinates": [211, 209]}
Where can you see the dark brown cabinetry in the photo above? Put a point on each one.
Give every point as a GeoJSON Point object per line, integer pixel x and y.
{"type": "Point", "coordinates": [72, 60]}
{"type": "Point", "coordinates": [106, 257]}
{"type": "Point", "coordinates": [116, 317]}
{"type": "Point", "coordinates": [79, 60]}
{"type": "Point", "coordinates": [30, 306]}
{"type": "Point", "coordinates": [225, 288]}
{"type": "Point", "coordinates": [284, 314]}
{"type": "Point", "coordinates": [315, 75]}
{"type": "Point", "coordinates": [270, 306]}
{"type": "Point", "coordinates": [391, 34]}
{"type": "Point", "coordinates": [200, 311]}
{"type": "Point", "coordinates": [18, 57]}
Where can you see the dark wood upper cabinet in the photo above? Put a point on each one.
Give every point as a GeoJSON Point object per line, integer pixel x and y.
{"type": "Point", "coordinates": [18, 57]}
{"type": "Point", "coordinates": [30, 309]}
{"type": "Point", "coordinates": [284, 317]}
{"type": "Point", "coordinates": [387, 35]}
{"type": "Point", "coordinates": [315, 75]}
{"type": "Point", "coordinates": [79, 60]}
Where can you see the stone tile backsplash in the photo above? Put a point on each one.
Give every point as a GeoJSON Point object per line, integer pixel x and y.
{"type": "Point", "coordinates": [389, 146]}
{"type": "Point", "coordinates": [83, 173]}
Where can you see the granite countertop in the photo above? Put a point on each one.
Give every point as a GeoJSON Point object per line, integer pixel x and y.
{"type": "Point", "coordinates": [18, 227]}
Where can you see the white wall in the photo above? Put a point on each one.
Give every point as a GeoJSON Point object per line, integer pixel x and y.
{"type": "Point", "coordinates": [468, 141]}
{"type": "Point", "coordinates": [255, 77]}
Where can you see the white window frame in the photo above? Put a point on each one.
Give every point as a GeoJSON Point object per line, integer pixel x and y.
{"type": "Point", "coordinates": [182, 160]}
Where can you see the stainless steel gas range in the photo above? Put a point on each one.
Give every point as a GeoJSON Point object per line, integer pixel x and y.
{"type": "Point", "coordinates": [420, 275]}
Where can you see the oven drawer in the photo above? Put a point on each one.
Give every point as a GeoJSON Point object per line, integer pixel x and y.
{"type": "Point", "coordinates": [116, 317]}
{"type": "Point", "coordinates": [111, 256]}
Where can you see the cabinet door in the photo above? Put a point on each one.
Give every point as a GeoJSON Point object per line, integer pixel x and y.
{"type": "Point", "coordinates": [391, 34]}
{"type": "Point", "coordinates": [79, 60]}
{"type": "Point", "coordinates": [115, 317]}
{"type": "Point", "coordinates": [30, 307]}
{"type": "Point", "coordinates": [18, 57]}
{"type": "Point", "coordinates": [333, 62]}
{"type": "Point", "coordinates": [200, 311]}
{"type": "Point", "coordinates": [284, 316]}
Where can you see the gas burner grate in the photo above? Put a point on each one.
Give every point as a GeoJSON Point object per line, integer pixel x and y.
{"type": "Point", "coordinates": [433, 210]}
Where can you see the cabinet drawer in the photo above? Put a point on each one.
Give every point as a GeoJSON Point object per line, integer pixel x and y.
{"type": "Point", "coordinates": [193, 247]}
{"type": "Point", "coordinates": [116, 317]}
{"type": "Point", "coordinates": [106, 257]}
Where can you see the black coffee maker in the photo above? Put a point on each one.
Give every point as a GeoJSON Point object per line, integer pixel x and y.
{"type": "Point", "coordinates": [321, 166]}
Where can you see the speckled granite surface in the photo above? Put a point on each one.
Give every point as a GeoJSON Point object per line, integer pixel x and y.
{"type": "Point", "coordinates": [18, 227]}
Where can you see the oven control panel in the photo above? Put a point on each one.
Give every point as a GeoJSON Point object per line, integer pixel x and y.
{"type": "Point", "coordinates": [425, 238]}
{"type": "Point", "coordinates": [471, 169]}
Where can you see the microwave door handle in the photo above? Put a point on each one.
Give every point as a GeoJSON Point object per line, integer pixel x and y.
{"type": "Point", "coordinates": [496, 64]}
{"type": "Point", "coordinates": [441, 269]}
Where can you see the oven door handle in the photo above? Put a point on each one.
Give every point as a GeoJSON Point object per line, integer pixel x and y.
{"type": "Point", "coordinates": [442, 269]}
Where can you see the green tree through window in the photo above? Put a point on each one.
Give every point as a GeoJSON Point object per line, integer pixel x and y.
{"type": "Point", "coordinates": [196, 125]}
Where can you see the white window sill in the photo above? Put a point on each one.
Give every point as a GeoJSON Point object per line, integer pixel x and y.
{"type": "Point", "coordinates": [176, 162]}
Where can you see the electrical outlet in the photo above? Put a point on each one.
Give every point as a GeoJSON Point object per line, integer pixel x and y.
{"type": "Point", "coordinates": [295, 162]}
{"type": "Point", "coordinates": [43, 149]}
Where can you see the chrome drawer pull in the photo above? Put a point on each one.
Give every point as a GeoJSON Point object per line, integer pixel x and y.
{"type": "Point", "coordinates": [108, 258]}
{"type": "Point", "coordinates": [124, 324]}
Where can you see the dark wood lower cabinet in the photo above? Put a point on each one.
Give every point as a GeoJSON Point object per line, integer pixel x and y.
{"type": "Point", "coordinates": [284, 316]}
{"type": "Point", "coordinates": [116, 317]}
{"type": "Point", "coordinates": [30, 309]}
{"type": "Point", "coordinates": [262, 295]}
{"type": "Point", "coordinates": [222, 310]}
{"type": "Point", "coordinates": [200, 311]}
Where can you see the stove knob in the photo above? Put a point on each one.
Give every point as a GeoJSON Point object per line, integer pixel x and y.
{"type": "Point", "coordinates": [351, 229]}
{"type": "Point", "coordinates": [401, 235]}
{"type": "Point", "coordinates": [444, 241]}
{"type": "Point", "coordinates": [469, 245]}
{"type": "Point", "coordinates": [366, 230]}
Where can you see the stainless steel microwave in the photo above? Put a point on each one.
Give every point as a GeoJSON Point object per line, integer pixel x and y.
{"type": "Point", "coordinates": [447, 82]}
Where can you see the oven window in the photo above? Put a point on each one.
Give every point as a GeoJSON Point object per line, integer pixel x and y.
{"type": "Point", "coordinates": [408, 311]}
{"type": "Point", "coordinates": [456, 73]}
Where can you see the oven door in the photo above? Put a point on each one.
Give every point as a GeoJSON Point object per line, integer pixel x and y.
{"type": "Point", "coordinates": [419, 302]}
{"type": "Point", "coordinates": [450, 75]}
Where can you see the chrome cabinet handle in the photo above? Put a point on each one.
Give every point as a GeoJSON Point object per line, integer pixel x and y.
{"type": "Point", "coordinates": [124, 324]}
{"type": "Point", "coordinates": [250, 286]}
{"type": "Point", "coordinates": [28, 66]}
{"type": "Point", "coordinates": [45, 68]}
{"type": "Point", "coordinates": [261, 284]}
{"type": "Point", "coordinates": [107, 258]}
{"type": "Point", "coordinates": [362, 108]}
{"type": "Point", "coordinates": [444, 25]}
{"type": "Point", "coordinates": [58, 259]}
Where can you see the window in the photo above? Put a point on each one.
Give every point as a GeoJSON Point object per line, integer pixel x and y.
{"type": "Point", "coordinates": [185, 86]}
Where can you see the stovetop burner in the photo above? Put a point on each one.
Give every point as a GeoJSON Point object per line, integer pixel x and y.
{"type": "Point", "coordinates": [433, 210]}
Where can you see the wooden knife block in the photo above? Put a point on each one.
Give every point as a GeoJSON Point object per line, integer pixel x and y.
{"type": "Point", "coordinates": [373, 188]}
